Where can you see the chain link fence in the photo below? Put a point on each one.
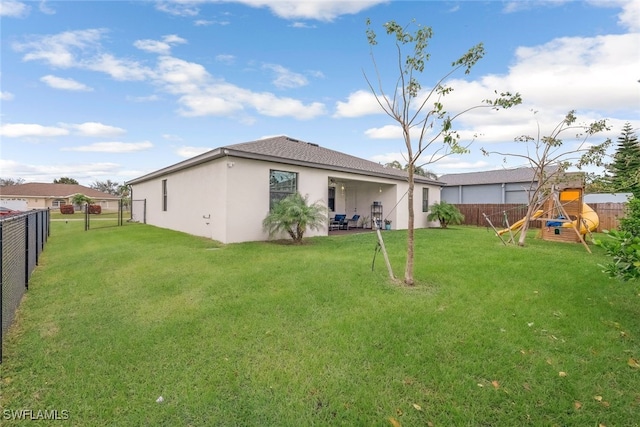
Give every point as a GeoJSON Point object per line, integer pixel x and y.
{"type": "Point", "coordinates": [22, 239]}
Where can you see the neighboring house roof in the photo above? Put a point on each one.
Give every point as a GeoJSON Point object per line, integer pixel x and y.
{"type": "Point", "coordinates": [39, 189]}
{"type": "Point", "coordinates": [497, 176]}
{"type": "Point", "coordinates": [283, 149]}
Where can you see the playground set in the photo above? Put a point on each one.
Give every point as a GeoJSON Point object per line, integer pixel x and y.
{"type": "Point", "coordinates": [565, 216]}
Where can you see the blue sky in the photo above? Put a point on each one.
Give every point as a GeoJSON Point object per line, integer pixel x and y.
{"type": "Point", "coordinates": [98, 90]}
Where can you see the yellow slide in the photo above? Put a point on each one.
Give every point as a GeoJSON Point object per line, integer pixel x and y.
{"type": "Point", "coordinates": [590, 218]}
{"type": "Point", "coordinates": [516, 225]}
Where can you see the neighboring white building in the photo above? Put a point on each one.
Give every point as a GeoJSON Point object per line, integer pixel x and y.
{"type": "Point", "coordinates": [224, 194]}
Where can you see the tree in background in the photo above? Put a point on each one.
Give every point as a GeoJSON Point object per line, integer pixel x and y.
{"type": "Point", "coordinates": [294, 215]}
{"type": "Point", "coordinates": [624, 171]}
{"type": "Point", "coordinates": [108, 186]}
{"type": "Point", "coordinates": [4, 182]}
{"type": "Point", "coordinates": [80, 199]}
{"type": "Point", "coordinates": [595, 183]}
{"type": "Point", "coordinates": [65, 180]}
{"type": "Point", "coordinates": [445, 213]}
{"type": "Point", "coordinates": [422, 112]}
{"type": "Point", "coordinates": [550, 160]}
{"type": "Point", "coordinates": [417, 170]}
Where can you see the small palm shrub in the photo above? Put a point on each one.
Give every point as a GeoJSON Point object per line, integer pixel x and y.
{"type": "Point", "coordinates": [445, 213]}
{"type": "Point", "coordinates": [293, 215]}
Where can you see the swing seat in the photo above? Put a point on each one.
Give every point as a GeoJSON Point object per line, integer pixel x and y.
{"type": "Point", "coordinates": [556, 223]}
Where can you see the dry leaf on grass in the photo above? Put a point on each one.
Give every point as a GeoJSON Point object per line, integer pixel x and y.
{"type": "Point", "coordinates": [418, 407]}
{"type": "Point", "coordinates": [495, 384]}
{"type": "Point", "coordinates": [577, 405]}
{"type": "Point", "coordinates": [394, 422]}
{"type": "Point", "coordinates": [633, 363]}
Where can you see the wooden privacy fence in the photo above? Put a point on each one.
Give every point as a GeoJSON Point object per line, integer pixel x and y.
{"type": "Point", "coordinates": [609, 214]}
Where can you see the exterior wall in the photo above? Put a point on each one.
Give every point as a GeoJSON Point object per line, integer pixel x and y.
{"type": "Point", "coordinates": [195, 200]}
{"type": "Point", "coordinates": [227, 199]}
{"type": "Point", "coordinates": [514, 192]}
{"type": "Point", "coordinates": [486, 193]}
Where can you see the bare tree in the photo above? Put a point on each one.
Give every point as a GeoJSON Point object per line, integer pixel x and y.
{"type": "Point", "coordinates": [423, 111]}
{"type": "Point", "coordinates": [4, 182]}
{"type": "Point", "coordinates": [550, 158]}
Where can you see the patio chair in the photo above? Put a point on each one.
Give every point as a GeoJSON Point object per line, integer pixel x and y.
{"type": "Point", "coordinates": [352, 222]}
{"type": "Point", "coordinates": [337, 222]}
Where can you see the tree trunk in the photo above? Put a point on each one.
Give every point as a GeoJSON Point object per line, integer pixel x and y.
{"type": "Point", "coordinates": [408, 271]}
{"type": "Point", "coordinates": [525, 225]}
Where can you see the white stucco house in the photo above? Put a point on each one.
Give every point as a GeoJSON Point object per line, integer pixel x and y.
{"type": "Point", "coordinates": [224, 194]}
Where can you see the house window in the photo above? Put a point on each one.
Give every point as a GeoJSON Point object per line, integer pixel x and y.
{"type": "Point", "coordinates": [164, 195]}
{"type": "Point", "coordinates": [425, 200]}
{"type": "Point", "coordinates": [281, 184]}
{"type": "Point", "coordinates": [332, 199]}
{"type": "Point", "coordinates": [58, 202]}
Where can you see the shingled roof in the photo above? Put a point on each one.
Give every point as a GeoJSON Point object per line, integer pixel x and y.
{"type": "Point", "coordinates": [46, 190]}
{"type": "Point", "coordinates": [497, 176]}
{"type": "Point", "coordinates": [283, 149]}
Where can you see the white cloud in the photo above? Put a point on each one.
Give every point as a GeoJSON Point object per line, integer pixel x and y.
{"type": "Point", "coordinates": [170, 137]}
{"type": "Point", "coordinates": [630, 16]}
{"type": "Point", "coordinates": [60, 50]}
{"type": "Point", "coordinates": [13, 9]}
{"type": "Point", "coordinates": [160, 47]}
{"type": "Point", "coordinates": [302, 25]}
{"type": "Point", "coordinates": [188, 152]}
{"type": "Point", "coordinates": [112, 147]}
{"type": "Point", "coordinates": [359, 103]}
{"type": "Point", "coordinates": [94, 129]}
{"type": "Point", "coordinates": [285, 78]}
{"type": "Point", "coordinates": [150, 98]}
{"type": "Point", "coordinates": [119, 69]}
{"type": "Point", "coordinates": [201, 95]}
{"type": "Point", "coordinates": [64, 84]}
{"type": "Point", "coordinates": [6, 96]}
{"type": "Point", "coordinates": [579, 73]}
{"type": "Point", "coordinates": [85, 173]}
{"type": "Point", "coordinates": [20, 130]}
{"type": "Point", "coordinates": [44, 8]}
{"type": "Point", "coordinates": [326, 10]}
{"type": "Point", "coordinates": [178, 7]}
{"type": "Point", "coordinates": [226, 59]}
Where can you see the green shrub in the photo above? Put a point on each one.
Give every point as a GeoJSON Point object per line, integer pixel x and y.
{"type": "Point", "coordinates": [445, 213]}
{"type": "Point", "coordinates": [624, 248]}
{"type": "Point", "coordinates": [631, 221]}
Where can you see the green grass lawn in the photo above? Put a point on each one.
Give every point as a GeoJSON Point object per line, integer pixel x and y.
{"type": "Point", "coordinates": [270, 334]}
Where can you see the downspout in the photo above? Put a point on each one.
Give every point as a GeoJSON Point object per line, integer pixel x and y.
{"type": "Point", "coordinates": [504, 193]}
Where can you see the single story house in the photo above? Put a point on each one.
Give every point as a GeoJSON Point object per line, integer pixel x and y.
{"type": "Point", "coordinates": [38, 195]}
{"type": "Point", "coordinates": [489, 187]}
{"type": "Point", "coordinates": [224, 194]}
